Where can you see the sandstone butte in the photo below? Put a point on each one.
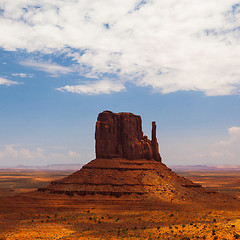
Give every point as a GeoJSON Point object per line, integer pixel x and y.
{"type": "Point", "coordinates": [128, 164]}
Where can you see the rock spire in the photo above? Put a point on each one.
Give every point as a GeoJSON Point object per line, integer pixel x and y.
{"type": "Point", "coordinates": [155, 150]}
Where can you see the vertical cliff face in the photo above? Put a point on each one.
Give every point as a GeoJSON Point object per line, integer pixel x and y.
{"type": "Point", "coordinates": [119, 135]}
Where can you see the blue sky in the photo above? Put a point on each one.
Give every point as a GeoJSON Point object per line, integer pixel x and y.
{"type": "Point", "coordinates": [63, 62]}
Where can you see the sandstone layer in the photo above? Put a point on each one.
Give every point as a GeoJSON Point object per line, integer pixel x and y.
{"type": "Point", "coordinates": [123, 177]}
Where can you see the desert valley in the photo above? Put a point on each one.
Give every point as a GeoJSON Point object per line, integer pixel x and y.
{"type": "Point", "coordinates": [119, 119]}
{"type": "Point", "coordinates": [125, 193]}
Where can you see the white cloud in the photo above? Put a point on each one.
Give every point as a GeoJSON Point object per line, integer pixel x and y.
{"type": "Point", "coordinates": [169, 45]}
{"type": "Point", "coordinates": [73, 154]}
{"type": "Point", "coordinates": [9, 151]}
{"type": "Point", "coordinates": [234, 132]}
{"type": "Point", "coordinates": [48, 67]}
{"type": "Point", "coordinates": [227, 150]}
{"type": "Point", "coordinates": [17, 154]}
{"type": "Point", "coordinates": [23, 75]}
{"type": "Point", "coordinates": [4, 81]}
{"type": "Point", "coordinates": [205, 150]}
{"type": "Point", "coordinates": [94, 88]}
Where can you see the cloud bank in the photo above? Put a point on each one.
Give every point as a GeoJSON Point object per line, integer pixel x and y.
{"type": "Point", "coordinates": [99, 87]}
{"type": "Point", "coordinates": [52, 68]}
{"type": "Point", "coordinates": [4, 81]}
{"type": "Point", "coordinates": [217, 151]}
{"type": "Point", "coordinates": [228, 149]}
{"type": "Point", "coordinates": [168, 45]}
{"type": "Point", "coordinates": [16, 154]}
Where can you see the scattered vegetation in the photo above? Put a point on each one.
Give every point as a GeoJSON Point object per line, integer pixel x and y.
{"type": "Point", "coordinates": [86, 222]}
{"type": "Point", "coordinates": [155, 224]}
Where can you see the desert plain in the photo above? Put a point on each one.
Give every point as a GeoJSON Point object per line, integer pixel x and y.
{"type": "Point", "coordinates": [26, 213]}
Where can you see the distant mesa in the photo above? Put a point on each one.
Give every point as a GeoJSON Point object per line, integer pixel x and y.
{"type": "Point", "coordinates": [127, 164]}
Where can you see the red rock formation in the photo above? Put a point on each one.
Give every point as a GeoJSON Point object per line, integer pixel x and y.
{"type": "Point", "coordinates": [119, 135]}
{"type": "Point", "coordinates": [127, 164]}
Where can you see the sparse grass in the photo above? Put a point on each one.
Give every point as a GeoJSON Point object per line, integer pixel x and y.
{"type": "Point", "coordinates": [80, 225]}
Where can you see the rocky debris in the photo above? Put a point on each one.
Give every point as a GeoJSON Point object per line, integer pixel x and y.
{"type": "Point", "coordinates": [120, 135]}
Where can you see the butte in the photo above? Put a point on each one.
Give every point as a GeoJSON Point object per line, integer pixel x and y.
{"type": "Point", "coordinates": [127, 164]}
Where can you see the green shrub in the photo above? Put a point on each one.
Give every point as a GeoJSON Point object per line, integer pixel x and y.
{"type": "Point", "coordinates": [236, 236]}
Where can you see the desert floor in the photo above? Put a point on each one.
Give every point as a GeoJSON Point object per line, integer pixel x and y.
{"type": "Point", "coordinates": [28, 214]}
